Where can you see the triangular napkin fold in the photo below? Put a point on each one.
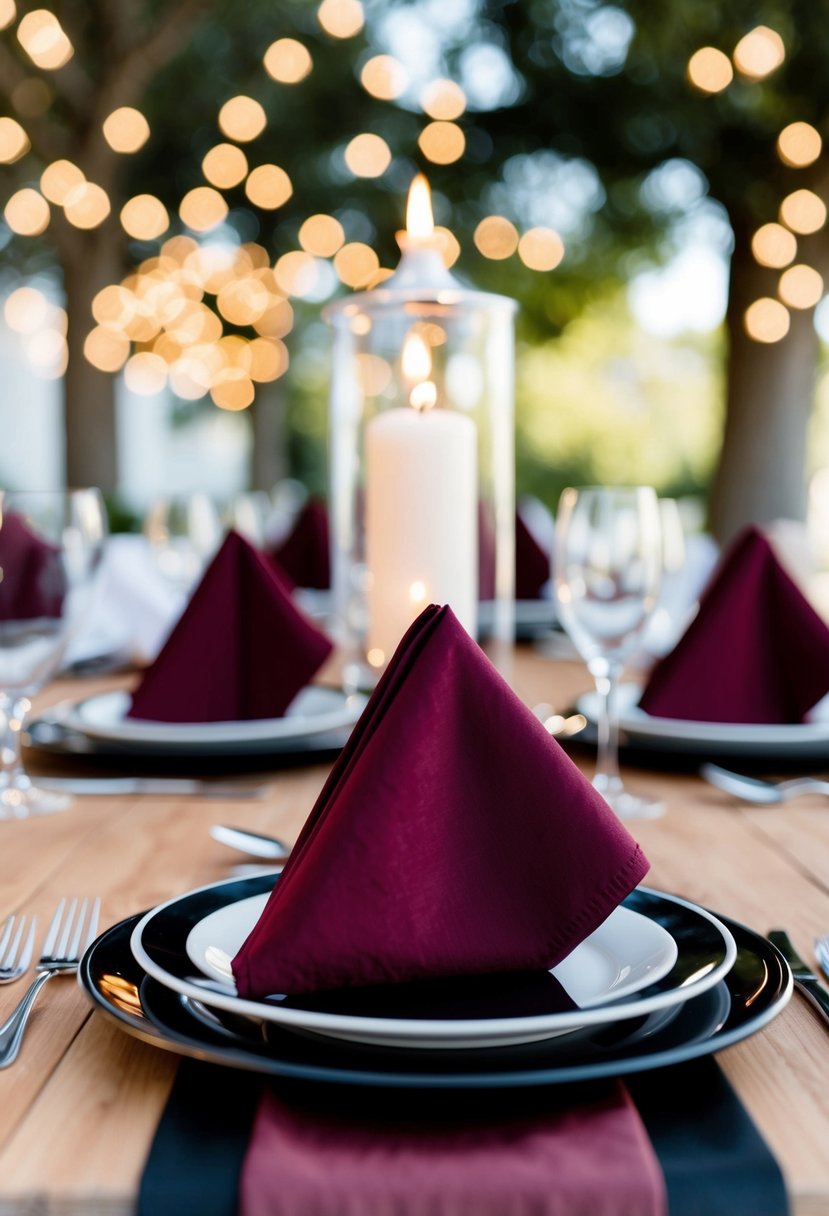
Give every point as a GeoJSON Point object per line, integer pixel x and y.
{"type": "Point", "coordinates": [304, 553]}
{"type": "Point", "coordinates": [756, 652]}
{"type": "Point", "coordinates": [241, 649]}
{"type": "Point", "coordinates": [453, 837]}
{"type": "Point", "coordinates": [32, 577]}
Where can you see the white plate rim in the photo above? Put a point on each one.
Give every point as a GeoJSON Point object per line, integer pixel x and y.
{"type": "Point", "coordinates": [343, 711]}
{"type": "Point", "coordinates": [403, 1028]}
{"type": "Point", "coordinates": [636, 721]}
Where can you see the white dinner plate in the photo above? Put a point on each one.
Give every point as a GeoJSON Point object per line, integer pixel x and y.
{"type": "Point", "coordinates": [597, 972]}
{"type": "Point", "coordinates": [314, 710]}
{"type": "Point", "coordinates": [801, 737]}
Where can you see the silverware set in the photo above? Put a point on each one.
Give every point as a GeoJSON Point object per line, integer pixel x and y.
{"type": "Point", "coordinates": [73, 929]}
{"type": "Point", "coordinates": [759, 791]}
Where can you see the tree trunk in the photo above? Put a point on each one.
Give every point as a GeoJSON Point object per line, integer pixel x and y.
{"type": "Point", "coordinates": [761, 475]}
{"type": "Point", "coordinates": [268, 460]}
{"type": "Point", "coordinates": [89, 395]}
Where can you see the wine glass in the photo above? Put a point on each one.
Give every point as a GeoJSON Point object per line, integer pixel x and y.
{"type": "Point", "coordinates": [608, 559]}
{"type": "Point", "coordinates": [51, 544]}
{"type": "Point", "coordinates": [184, 532]}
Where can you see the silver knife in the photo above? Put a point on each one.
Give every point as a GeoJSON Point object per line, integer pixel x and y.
{"type": "Point", "coordinates": [151, 785]}
{"type": "Point", "coordinates": [804, 977]}
{"type": "Point", "coordinates": [253, 843]}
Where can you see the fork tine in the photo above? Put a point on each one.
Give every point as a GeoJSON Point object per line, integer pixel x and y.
{"type": "Point", "coordinates": [92, 932]}
{"type": "Point", "coordinates": [7, 932]}
{"type": "Point", "coordinates": [29, 946]}
{"type": "Point", "coordinates": [76, 938]}
{"type": "Point", "coordinates": [63, 943]}
{"type": "Point", "coordinates": [52, 931]}
{"type": "Point", "coordinates": [11, 958]}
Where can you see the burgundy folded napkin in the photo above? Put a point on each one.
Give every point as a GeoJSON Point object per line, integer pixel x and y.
{"type": "Point", "coordinates": [32, 578]}
{"type": "Point", "coordinates": [532, 564]}
{"type": "Point", "coordinates": [304, 553]}
{"type": "Point", "coordinates": [756, 652]}
{"type": "Point", "coordinates": [453, 837]}
{"type": "Point", "coordinates": [593, 1158]}
{"type": "Point", "coordinates": [241, 649]}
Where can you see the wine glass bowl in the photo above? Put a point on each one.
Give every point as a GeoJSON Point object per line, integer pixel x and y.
{"type": "Point", "coordinates": [608, 560]}
{"type": "Point", "coordinates": [51, 544]}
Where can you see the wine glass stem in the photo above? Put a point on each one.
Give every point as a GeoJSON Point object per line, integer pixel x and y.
{"type": "Point", "coordinates": [13, 711]}
{"type": "Point", "coordinates": [607, 779]}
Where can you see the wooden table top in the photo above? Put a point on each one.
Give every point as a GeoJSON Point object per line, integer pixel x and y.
{"type": "Point", "coordinates": [79, 1108]}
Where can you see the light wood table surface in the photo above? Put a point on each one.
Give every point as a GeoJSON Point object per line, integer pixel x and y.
{"type": "Point", "coordinates": [79, 1108]}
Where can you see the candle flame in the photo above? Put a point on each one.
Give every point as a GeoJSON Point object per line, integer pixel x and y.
{"type": "Point", "coordinates": [424, 396]}
{"type": "Point", "coordinates": [416, 359]}
{"type": "Point", "coordinates": [420, 225]}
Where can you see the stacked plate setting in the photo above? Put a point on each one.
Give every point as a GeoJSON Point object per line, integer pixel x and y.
{"type": "Point", "coordinates": [662, 980]}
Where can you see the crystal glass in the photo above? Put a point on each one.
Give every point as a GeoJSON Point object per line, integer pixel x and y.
{"type": "Point", "coordinates": [184, 532]}
{"type": "Point", "coordinates": [51, 544]}
{"type": "Point", "coordinates": [608, 561]}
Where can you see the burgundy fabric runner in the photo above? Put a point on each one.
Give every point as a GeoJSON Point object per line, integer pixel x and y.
{"type": "Point", "coordinates": [453, 837]}
{"type": "Point", "coordinates": [242, 649]}
{"type": "Point", "coordinates": [532, 563]}
{"type": "Point", "coordinates": [32, 578]}
{"type": "Point", "coordinates": [592, 1158]}
{"type": "Point", "coordinates": [755, 652]}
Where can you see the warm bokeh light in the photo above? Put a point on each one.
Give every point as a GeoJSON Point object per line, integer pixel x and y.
{"type": "Point", "coordinates": [232, 389]}
{"type": "Point", "coordinates": [242, 118]}
{"type": "Point", "coordinates": [356, 264]}
{"type": "Point", "coordinates": [126, 130]}
{"type": "Point", "coordinates": [86, 205]}
{"type": "Point", "coordinates": [48, 353]}
{"type": "Point", "coordinates": [450, 249]}
{"type": "Point", "coordinates": [14, 142]}
{"type": "Point", "coordinates": [144, 217]}
{"type": "Point", "coordinates": [374, 373]}
{"type": "Point", "coordinates": [243, 301]}
{"type": "Point", "coordinates": [773, 245]}
{"type": "Point", "coordinates": [287, 61]}
{"type": "Point", "coordinates": [541, 249]}
{"type": "Point", "coordinates": [225, 166]}
{"type": "Point", "coordinates": [113, 306]}
{"type": "Point", "coordinates": [341, 18]}
{"type": "Point", "coordinates": [759, 52]}
{"type": "Point", "coordinates": [766, 320]}
{"type": "Point", "coordinates": [145, 373]}
{"type": "Point", "coordinates": [321, 235]}
{"type": "Point", "coordinates": [416, 357]}
{"type": "Point", "coordinates": [27, 212]}
{"type": "Point", "coordinates": [803, 211]}
{"type": "Point", "coordinates": [43, 39]}
{"type": "Point", "coordinates": [276, 321]}
{"type": "Point", "coordinates": [296, 273]}
{"type": "Point", "coordinates": [710, 70]}
{"type": "Point", "coordinates": [267, 359]}
{"type": "Point", "coordinates": [496, 237]}
{"type": "Point", "coordinates": [443, 99]}
{"type": "Point", "coordinates": [442, 142]}
{"type": "Point", "coordinates": [59, 179]}
{"type": "Point", "coordinates": [106, 349]}
{"type": "Point", "coordinates": [8, 12]}
{"type": "Point", "coordinates": [799, 144]}
{"type": "Point", "coordinates": [202, 208]}
{"type": "Point", "coordinates": [26, 310]}
{"type": "Point", "coordinates": [800, 286]}
{"type": "Point", "coordinates": [268, 187]}
{"type": "Point", "coordinates": [384, 77]}
{"type": "Point", "coordinates": [368, 155]}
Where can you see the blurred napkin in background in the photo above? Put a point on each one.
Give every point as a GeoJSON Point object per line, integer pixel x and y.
{"type": "Point", "coordinates": [240, 650]}
{"type": "Point", "coordinates": [453, 837]}
{"type": "Point", "coordinates": [304, 555]}
{"type": "Point", "coordinates": [756, 652]}
{"type": "Point", "coordinates": [32, 579]}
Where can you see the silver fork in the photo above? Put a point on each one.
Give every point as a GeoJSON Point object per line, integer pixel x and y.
{"type": "Point", "coordinates": [15, 953]}
{"type": "Point", "coordinates": [72, 930]}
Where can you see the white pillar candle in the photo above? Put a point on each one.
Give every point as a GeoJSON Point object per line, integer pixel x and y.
{"type": "Point", "coordinates": [421, 521]}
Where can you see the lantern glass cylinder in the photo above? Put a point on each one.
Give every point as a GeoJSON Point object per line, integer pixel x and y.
{"type": "Point", "coordinates": [421, 465]}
